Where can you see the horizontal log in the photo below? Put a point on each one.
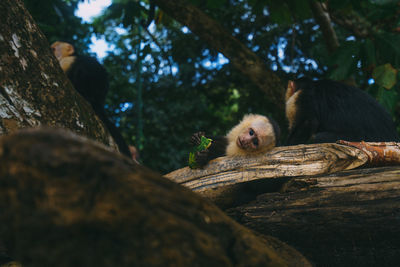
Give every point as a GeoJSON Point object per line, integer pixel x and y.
{"type": "Point", "coordinates": [285, 161]}
{"type": "Point", "coordinates": [350, 218]}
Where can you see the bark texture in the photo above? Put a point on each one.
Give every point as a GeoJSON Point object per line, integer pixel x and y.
{"type": "Point", "coordinates": [66, 201]}
{"type": "Point", "coordinates": [350, 218]}
{"type": "Point", "coordinates": [225, 180]}
{"type": "Point", "coordinates": [33, 89]}
{"type": "Point", "coordinates": [241, 57]}
{"type": "Point", "coordinates": [322, 17]}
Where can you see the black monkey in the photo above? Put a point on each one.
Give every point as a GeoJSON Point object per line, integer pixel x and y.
{"type": "Point", "coordinates": [325, 111]}
{"type": "Point", "coordinates": [255, 134]}
{"type": "Point", "coordinates": [90, 79]}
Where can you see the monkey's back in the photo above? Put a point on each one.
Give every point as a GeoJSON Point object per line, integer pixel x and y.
{"type": "Point", "coordinates": [90, 79]}
{"type": "Point", "coordinates": [348, 113]}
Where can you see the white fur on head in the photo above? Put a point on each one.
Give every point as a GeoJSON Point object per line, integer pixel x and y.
{"type": "Point", "coordinates": [261, 125]}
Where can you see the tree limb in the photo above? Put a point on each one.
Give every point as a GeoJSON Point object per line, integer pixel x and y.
{"type": "Point", "coordinates": [323, 19]}
{"type": "Point", "coordinates": [239, 55]}
{"type": "Point", "coordinates": [67, 201]}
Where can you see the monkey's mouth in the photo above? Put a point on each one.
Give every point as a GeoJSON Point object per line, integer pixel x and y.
{"type": "Point", "coordinates": [242, 144]}
{"type": "Point", "coordinates": [239, 143]}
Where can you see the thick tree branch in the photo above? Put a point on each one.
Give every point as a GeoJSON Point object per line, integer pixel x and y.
{"type": "Point", "coordinates": [346, 219]}
{"type": "Point", "coordinates": [66, 201]}
{"type": "Point", "coordinates": [353, 22]}
{"type": "Point", "coordinates": [323, 19]}
{"type": "Point", "coordinates": [239, 55]}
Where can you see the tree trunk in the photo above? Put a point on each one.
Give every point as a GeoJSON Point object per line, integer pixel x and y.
{"type": "Point", "coordinates": [239, 55]}
{"type": "Point", "coordinates": [66, 201]}
{"type": "Point", "coordinates": [350, 218]}
{"type": "Point", "coordinates": [33, 89]}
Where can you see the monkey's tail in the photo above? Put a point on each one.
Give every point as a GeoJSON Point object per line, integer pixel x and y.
{"type": "Point", "coordinates": [122, 146]}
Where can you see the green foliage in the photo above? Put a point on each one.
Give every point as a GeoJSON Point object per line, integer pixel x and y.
{"type": "Point", "coordinates": [344, 61]}
{"type": "Point", "coordinates": [186, 88]}
{"type": "Point", "coordinates": [385, 76]}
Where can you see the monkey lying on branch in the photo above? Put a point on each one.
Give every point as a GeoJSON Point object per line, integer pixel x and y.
{"type": "Point", "coordinates": [255, 134]}
{"type": "Point", "coordinates": [321, 111]}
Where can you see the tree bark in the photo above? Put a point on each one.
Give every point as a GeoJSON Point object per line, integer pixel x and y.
{"type": "Point", "coordinates": [324, 21]}
{"type": "Point", "coordinates": [33, 89]}
{"type": "Point", "coordinates": [66, 201]}
{"type": "Point", "coordinates": [241, 57]}
{"type": "Point", "coordinates": [350, 218]}
{"type": "Point", "coordinates": [227, 179]}
{"type": "Point", "coordinates": [353, 22]}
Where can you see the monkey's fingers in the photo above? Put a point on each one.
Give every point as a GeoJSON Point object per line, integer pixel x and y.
{"type": "Point", "coordinates": [195, 139]}
{"type": "Point", "coordinates": [202, 157]}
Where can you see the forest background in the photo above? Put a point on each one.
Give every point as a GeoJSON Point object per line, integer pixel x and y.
{"type": "Point", "coordinates": [167, 82]}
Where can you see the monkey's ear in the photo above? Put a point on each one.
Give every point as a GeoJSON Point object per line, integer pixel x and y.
{"type": "Point", "coordinates": [291, 89]}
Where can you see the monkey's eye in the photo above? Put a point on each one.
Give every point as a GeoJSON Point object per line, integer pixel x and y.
{"type": "Point", "coordinates": [251, 132]}
{"type": "Point", "coordinates": [255, 141]}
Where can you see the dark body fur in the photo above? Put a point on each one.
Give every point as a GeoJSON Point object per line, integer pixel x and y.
{"type": "Point", "coordinates": [327, 111]}
{"type": "Point", "coordinates": [90, 79]}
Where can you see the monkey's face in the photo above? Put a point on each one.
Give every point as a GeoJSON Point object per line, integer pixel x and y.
{"type": "Point", "coordinates": [256, 138]}
{"type": "Point", "coordinates": [254, 134]}
{"type": "Point", "coordinates": [248, 140]}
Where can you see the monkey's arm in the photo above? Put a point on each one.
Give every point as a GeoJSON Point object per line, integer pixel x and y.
{"type": "Point", "coordinates": [215, 150]}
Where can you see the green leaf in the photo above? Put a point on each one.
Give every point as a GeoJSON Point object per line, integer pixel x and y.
{"type": "Point", "coordinates": [385, 76]}
{"type": "Point", "coordinates": [388, 98]}
{"type": "Point", "coordinates": [204, 144]}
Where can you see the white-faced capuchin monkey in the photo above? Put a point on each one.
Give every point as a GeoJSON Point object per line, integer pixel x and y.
{"type": "Point", "coordinates": [255, 134]}
{"type": "Point", "coordinates": [90, 79]}
{"type": "Point", "coordinates": [325, 111]}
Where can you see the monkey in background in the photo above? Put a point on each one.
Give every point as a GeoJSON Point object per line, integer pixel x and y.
{"type": "Point", "coordinates": [325, 111]}
{"type": "Point", "coordinates": [134, 154]}
{"type": "Point", "coordinates": [90, 79]}
{"type": "Point", "coordinates": [255, 134]}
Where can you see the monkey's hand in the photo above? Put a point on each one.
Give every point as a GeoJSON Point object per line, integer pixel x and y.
{"type": "Point", "coordinates": [199, 156]}
{"type": "Point", "coordinates": [195, 139]}
{"type": "Point", "coordinates": [202, 157]}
